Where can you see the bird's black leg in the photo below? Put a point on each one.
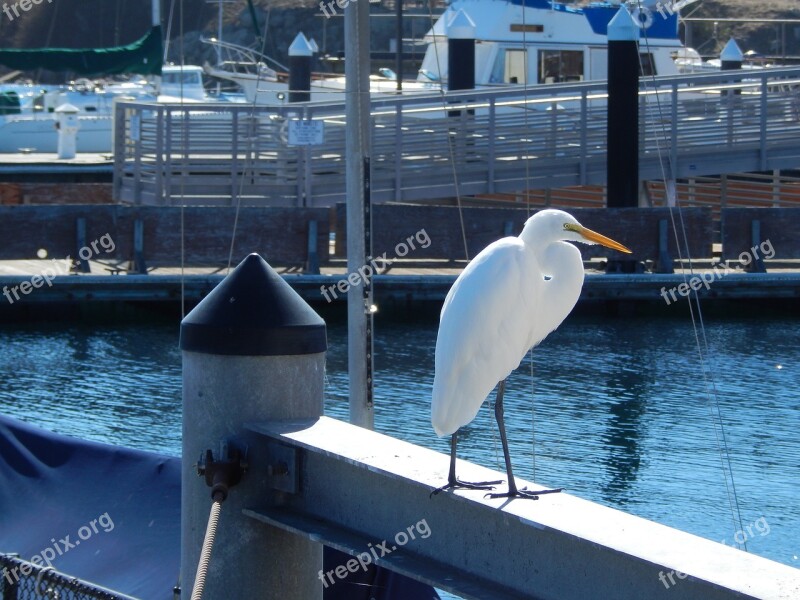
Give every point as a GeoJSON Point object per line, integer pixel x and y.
{"type": "Point", "coordinates": [453, 482]}
{"type": "Point", "coordinates": [513, 492]}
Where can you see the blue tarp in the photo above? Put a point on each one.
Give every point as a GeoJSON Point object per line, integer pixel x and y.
{"type": "Point", "coordinates": [111, 516]}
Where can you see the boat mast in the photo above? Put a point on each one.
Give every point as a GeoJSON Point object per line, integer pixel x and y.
{"type": "Point", "coordinates": [357, 186]}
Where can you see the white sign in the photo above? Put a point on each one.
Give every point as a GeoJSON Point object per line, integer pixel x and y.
{"type": "Point", "coordinates": [306, 133]}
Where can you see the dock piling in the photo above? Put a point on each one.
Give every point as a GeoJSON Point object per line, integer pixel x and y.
{"type": "Point", "coordinates": [253, 351]}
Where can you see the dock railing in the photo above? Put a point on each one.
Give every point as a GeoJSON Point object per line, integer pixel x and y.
{"type": "Point", "coordinates": [426, 147]}
{"type": "Point", "coordinates": [254, 382]}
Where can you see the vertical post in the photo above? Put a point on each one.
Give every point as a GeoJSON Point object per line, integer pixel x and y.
{"type": "Point", "coordinates": [359, 221]}
{"type": "Point", "coordinates": [253, 350]}
{"type": "Point", "coordinates": [81, 264]}
{"type": "Point", "coordinates": [731, 59]}
{"type": "Point", "coordinates": [139, 265]}
{"type": "Point", "coordinates": [300, 53]}
{"type": "Point", "coordinates": [155, 11]}
{"type": "Point", "coordinates": [461, 53]}
{"type": "Point", "coordinates": [398, 59]}
{"type": "Point", "coordinates": [623, 111]}
{"type": "Point", "coordinates": [460, 76]}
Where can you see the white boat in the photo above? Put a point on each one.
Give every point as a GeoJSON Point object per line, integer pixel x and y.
{"type": "Point", "coordinates": [557, 42]}
{"type": "Point", "coordinates": [32, 127]}
{"type": "Point", "coordinates": [528, 42]}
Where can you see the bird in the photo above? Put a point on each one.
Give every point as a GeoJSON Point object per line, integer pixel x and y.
{"type": "Point", "coordinates": [507, 300]}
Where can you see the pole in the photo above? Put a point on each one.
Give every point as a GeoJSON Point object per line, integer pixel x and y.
{"type": "Point", "coordinates": [398, 59]}
{"type": "Point", "coordinates": [731, 59]}
{"type": "Point", "coordinates": [155, 8]}
{"type": "Point", "coordinates": [253, 351]}
{"type": "Point", "coordinates": [359, 221]}
{"type": "Point", "coordinates": [461, 53]}
{"type": "Point", "coordinates": [300, 53]}
{"type": "Point", "coordinates": [219, 34]}
{"type": "Point", "coordinates": [623, 111]}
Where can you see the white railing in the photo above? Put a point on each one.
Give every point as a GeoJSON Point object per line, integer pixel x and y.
{"type": "Point", "coordinates": [475, 142]}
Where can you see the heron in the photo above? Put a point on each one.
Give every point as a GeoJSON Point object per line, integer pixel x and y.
{"type": "Point", "coordinates": [507, 300]}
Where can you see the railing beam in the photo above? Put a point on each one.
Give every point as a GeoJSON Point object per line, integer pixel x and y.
{"type": "Point", "coordinates": [361, 488]}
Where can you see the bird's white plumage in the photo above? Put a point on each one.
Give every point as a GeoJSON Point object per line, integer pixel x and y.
{"type": "Point", "coordinates": [513, 293]}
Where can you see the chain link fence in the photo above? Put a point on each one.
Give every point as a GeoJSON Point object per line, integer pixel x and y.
{"type": "Point", "coordinates": [22, 580]}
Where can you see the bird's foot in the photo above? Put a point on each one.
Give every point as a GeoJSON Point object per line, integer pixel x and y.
{"type": "Point", "coordinates": [523, 493]}
{"type": "Point", "coordinates": [457, 484]}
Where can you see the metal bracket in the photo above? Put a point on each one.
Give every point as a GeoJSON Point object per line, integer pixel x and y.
{"type": "Point", "coordinates": [225, 471]}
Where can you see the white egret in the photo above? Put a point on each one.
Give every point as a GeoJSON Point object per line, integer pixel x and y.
{"type": "Point", "coordinates": [508, 298]}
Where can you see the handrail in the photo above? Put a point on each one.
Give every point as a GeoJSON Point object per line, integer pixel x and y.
{"type": "Point", "coordinates": [701, 124]}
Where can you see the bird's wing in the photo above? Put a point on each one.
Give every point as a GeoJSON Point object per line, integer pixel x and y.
{"type": "Point", "coordinates": [484, 330]}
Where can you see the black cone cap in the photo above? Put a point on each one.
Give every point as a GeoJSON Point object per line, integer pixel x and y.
{"type": "Point", "coordinates": [253, 312]}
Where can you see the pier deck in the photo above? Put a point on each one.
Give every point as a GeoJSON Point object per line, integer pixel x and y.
{"type": "Point", "coordinates": [406, 283]}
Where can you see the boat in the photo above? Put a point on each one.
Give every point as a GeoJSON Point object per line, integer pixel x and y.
{"type": "Point", "coordinates": [518, 42]}
{"type": "Point", "coordinates": [558, 42]}
{"type": "Point", "coordinates": [28, 118]}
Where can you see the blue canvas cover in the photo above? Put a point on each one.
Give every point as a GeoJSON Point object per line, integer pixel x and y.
{"type": "Point", "coordinates": [111, 516]}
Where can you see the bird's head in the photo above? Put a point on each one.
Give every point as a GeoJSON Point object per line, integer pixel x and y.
{"type": "Point", "coordinates": [548, 226]}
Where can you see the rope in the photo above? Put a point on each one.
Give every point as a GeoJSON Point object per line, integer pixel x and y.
{"type": "Point", "coordinates": [208, 544]}
{"type": "Point", "coordinates": [701, 342]}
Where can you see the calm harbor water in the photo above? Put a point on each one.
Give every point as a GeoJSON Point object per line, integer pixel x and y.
{"type": "Point", "coordinates": [614, 410]}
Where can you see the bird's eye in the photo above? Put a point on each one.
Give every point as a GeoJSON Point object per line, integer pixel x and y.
{"type": "Point", "coordinates": [566, 226]}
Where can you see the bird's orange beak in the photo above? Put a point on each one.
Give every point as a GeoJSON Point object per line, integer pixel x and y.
{"type": "Point", "coordinates": [598, 238]}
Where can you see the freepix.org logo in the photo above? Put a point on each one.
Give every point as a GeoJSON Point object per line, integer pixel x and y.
{"type": "Point", "coordinates": [12, 11]}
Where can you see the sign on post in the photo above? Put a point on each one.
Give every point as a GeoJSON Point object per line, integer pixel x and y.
{"type": "Point", "coordinates": [306, 133]}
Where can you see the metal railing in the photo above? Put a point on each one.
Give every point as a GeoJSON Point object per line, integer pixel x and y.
{"type": "Point", "coordinates": [23, 580]}
{"type": "Point", "coordinates": [474, 142]}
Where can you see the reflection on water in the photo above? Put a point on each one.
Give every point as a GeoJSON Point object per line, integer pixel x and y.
{"type": "Point", "coordinates": [614, 410]}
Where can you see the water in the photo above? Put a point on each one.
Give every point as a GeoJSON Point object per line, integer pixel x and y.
{"type": "Point", "coordinates": [614, 410]}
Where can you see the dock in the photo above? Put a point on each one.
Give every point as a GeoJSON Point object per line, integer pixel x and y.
{"type": "Point", "coordinates": [113, 253]}
{"type": "Point", "coordinates": [403, 286]}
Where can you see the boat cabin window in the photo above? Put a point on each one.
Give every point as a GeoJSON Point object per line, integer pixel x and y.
{"type": "Point", "coordinates": [556, 66]}
{"type": "Point", "coordinates": [647, 66]}
{"type": "Point", "coordinates": [185, 78]}
{"type": "Point", "coordinates": [509, 67]}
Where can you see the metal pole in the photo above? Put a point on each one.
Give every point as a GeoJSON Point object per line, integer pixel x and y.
{"type": "Point", "coordinates": [253, 351]}
{"type": "Point", "coordinates": [398, 63]}
{"type": "Point", "coordinates": [219, 35]}
{"type": "Point", "coordinates": [623, 111]}
{"type": "Point", "coordinates": [300, 53]}
{"type": "Point", "coordinates": [357, 171]}
{"type": "Point", "coordinates": [156, 12]}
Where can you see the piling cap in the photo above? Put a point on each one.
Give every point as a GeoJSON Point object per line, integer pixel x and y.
{"type": "Point", "coordinates": [462, 27]}
{"type": "Point", "coordinates": [253, 312]}
{"type": "Point", "coordinates": [622, 28]}
{"type": "Point", "coordinates": [68, 109]}
{"type": "Point", "coordinates": [731, 52]}
{"type": "Point", "coordinates": [301, 46]}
